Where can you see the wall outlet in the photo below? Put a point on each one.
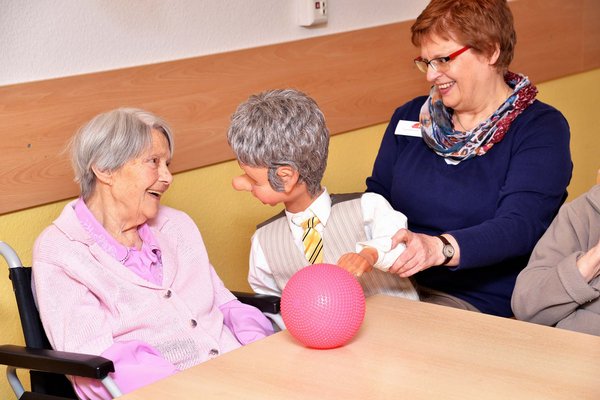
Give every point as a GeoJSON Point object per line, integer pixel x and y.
{"type": "Point", "coordinates": [312, 12]}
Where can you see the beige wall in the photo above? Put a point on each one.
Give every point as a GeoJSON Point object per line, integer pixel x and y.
{"type": "Point", "coordinates": [227, 218]}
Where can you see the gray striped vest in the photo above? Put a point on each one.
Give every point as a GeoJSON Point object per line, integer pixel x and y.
{"type": "Point", "coordinates": [344, 229]}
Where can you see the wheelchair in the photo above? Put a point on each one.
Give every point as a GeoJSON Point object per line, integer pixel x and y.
{"type": "Point", "coordinates": [47, 367]}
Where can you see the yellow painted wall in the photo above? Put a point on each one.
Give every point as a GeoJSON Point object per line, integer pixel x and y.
{"type": "Point", "coordinates": [227, 218]}
{"type": "Point", "coordinates": [578, 97]}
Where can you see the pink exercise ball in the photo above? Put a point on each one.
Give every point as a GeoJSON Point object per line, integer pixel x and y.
{"type": "Point", "coordinates": [323, 306]}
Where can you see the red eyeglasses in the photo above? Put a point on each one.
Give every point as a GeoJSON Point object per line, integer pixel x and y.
{"type": "Point", "coordinates": [439, 64]}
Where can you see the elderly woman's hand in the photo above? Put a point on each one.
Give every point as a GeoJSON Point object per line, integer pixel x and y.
{"type": "Point", "coordinates": [589, 263]}
{"type": "Point", "coordinates": [422, 252]}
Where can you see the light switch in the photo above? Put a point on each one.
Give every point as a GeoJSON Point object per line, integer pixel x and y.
{"type": "Point", "coordinates": [312, 12]}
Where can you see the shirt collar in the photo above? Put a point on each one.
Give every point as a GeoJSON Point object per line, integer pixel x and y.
{"type": "Point", "coordinates": [320, 208]}
{"type": "Point", "coordinates": [105, 240]}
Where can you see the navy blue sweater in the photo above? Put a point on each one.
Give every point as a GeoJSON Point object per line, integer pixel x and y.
{"type": "Point", "coordinates": [496, 206]}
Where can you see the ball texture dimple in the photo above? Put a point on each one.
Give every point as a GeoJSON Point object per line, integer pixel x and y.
{"type": "Point", "coordinates": [323, 306]}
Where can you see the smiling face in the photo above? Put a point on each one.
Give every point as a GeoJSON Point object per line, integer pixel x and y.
{"type": "Point", "coordinates": [466, 84]}
{"type": "Point", "coordinates": [136, 187]}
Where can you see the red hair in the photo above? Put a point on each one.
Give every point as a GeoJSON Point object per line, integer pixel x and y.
{"type": "Point", "coordinates": [482, 25]}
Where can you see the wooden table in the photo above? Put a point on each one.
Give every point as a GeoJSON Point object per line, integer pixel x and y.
{"type": "Point", "coordinates": [404, 350]}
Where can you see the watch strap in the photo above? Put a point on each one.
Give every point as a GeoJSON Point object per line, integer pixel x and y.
{"type": "Point", "coordinates": [446, 243]}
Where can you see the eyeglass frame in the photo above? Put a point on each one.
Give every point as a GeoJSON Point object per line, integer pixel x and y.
{"type": "Point", "coordinates": [420, 61]}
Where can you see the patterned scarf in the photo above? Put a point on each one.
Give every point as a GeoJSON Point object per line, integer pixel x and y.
{"type": "Point", "coordinates": [439, 133]}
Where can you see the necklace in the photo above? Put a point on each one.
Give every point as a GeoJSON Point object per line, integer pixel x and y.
{"type": "Point", "coordinates": [460, 123]}
{"type": "Point", "coordinates": [507, 95]}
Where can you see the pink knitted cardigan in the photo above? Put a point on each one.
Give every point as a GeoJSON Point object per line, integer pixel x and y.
{"type": "Point", "coordinates": [88, 301]}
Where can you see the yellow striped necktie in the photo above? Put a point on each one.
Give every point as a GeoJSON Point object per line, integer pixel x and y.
{"type": "Point", "coordinates": [312, 241]}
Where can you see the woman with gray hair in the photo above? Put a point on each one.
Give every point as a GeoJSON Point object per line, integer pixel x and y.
{"type": "Point", "coordinates": [121, 276]}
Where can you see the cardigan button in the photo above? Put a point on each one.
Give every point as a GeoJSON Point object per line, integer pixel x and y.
{"type": "Point", "coordinates": [193, 323]}
{"type": "Point", "coordinates": [213, 353]}
{"type": "Point", "coordinates": [168, 294]}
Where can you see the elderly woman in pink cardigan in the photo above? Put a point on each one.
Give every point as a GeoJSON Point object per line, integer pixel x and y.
{"type": "Point", "coordinates": [119, 275]}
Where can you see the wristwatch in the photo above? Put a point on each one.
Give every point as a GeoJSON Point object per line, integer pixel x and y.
{"type": "Point", "coordinates": [447, 250]}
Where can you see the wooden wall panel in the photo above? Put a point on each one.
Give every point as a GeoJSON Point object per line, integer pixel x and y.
{"type": "Point", "coordinates": [590, 34]}
{"type": "Point", "coordinates": [358, 78]}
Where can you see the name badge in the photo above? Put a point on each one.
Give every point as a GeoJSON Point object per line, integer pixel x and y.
{"type": "Point", "coordinates": [408, 128]}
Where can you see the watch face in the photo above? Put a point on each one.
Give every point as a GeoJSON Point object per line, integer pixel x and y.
{"type": "Point", "coordinates": [448, 250]}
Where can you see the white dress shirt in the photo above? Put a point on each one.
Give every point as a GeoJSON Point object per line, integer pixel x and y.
{"type": "Point", "coordinates": [381, 222]}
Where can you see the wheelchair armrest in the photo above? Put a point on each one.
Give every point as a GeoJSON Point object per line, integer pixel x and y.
{"type": "Point", "coordinates": [264, 302]}
{"type": "Point", "coordinates": [59, 362]}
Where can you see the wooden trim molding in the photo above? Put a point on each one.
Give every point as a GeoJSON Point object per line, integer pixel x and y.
{"type": "Point", "coordinates": [358, 78]}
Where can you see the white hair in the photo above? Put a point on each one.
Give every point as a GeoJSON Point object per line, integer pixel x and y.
{"type": "Point", "coordinates": [111, 139]}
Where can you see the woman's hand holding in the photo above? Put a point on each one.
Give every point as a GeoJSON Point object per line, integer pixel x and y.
{"type": "Point", "coordinates": [422, 252]}
{"type": "Point", "coordinates": [589, 263]}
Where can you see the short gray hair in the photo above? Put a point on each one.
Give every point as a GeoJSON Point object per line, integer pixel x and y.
{"type": "Point", "coordinates": [281, 127]}
{"type": "Point", "coordinates": [111, 139]}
